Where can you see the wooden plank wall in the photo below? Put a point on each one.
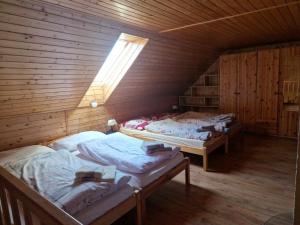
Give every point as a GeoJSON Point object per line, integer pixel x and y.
{"type": "Point", "coordinates": [38, 128]}
{"type": "Point", "coordinates": [49, 56]}
{"type": "Point", "coordinates": [94, 93]}
{"type": "Point", "coordinates": [31, 129]}
{"type": "Point", "coordinates": [212, 69]}
{"type": "Point", "coordinates": [84, 119]}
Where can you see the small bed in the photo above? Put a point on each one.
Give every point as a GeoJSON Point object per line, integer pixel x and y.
{"type": "Point", "coordinates": [144, 181]}
{"type": "Point", "coordinates": [23, 204]}
{"type": "Point", "coordinates": [188, 143]}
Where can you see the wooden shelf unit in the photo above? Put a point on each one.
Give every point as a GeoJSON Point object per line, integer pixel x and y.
{"type": "Point", "coordinates": [204, 94]}
{"type": "Point", "coordinates": [291, 92]}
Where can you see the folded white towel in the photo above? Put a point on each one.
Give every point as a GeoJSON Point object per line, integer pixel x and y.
{"type": "Point", "coordinates": [108, 173]}
{"type": "Point", "coordinates": [164, 149]}
{"type": "Point", "coordinates": [89, 172]}
{"type": "Point", "coordinates": [95, 174]}
{"type": "Point", "coordinates": [150, 145]}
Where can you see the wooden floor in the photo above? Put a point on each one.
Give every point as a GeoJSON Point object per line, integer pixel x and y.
{"type": "Point", "coordinates": [249, 186]}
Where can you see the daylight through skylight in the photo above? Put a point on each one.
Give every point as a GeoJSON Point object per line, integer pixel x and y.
{"type": "Point", "coordinates": [123, 54]}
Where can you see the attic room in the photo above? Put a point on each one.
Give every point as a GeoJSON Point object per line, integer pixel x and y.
{"type": "Point", "coordinates": [152, 112]}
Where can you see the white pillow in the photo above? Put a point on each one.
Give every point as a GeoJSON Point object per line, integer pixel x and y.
{"type": "Point", "coordinates": [70, 142]}
{"type": "Point", "coordinates": [22, 153]}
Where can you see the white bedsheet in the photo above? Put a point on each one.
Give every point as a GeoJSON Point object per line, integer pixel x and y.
{"type": "Point", "coordinates": [200, 119]}
{"type": "Point", "coordinates": [99, 208]}
{"type": "Point", "coordinates": [192, 143]}
{"type": "Point", "coordinates": [52, 174]}
{"type": "Point", "coordinates": [125, 152]}
{"type": "Point", "coordinates": [179, 129]}
{"type": "Point", "coordinates": [142, 180]}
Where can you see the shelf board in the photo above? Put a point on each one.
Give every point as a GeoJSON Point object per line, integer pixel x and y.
{"type": "Point", "coordinates": [291, 107]}
{"type": "Point", "coordinates": [202, 96]}
{"type": "Point", "coordinates": [187, 96]}
{"type": "Point", "coordinates": [205, 86]}
{"type": "Point", "coordinates": [211, 75]}
{"type": "Point", "coordinates": [202, 106]}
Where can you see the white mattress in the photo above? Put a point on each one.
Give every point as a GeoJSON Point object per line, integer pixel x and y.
{"type": "Point", "coordinates": [99, 208]}
{"type": "Point", "coordinates": [192, 143]}
{"type": "Point", "coordinates": [142, 180]}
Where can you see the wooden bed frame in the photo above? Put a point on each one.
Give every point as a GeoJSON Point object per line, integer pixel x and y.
{"type": "Point", "coordinates": [24, 202]}
{"type": "Point", "coordinates": [145, 192]}
{"type": "Point", "coordinates": [209, 146]}
{"type": "Point", "coordinates": [207, 149]}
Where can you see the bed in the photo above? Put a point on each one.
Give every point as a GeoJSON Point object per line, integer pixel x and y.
{"type": "Point", "coordinates": [189, 121]}
{"type": "Point", "coordinates": [144, 181]}
{"type": "Point", "coordinates": [23, 204]}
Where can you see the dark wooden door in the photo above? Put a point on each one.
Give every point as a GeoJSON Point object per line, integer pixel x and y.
{"type": "Point", "coordinates": [228, 83]}
{"type": "Point", "coordinates": [267, 91]}
{"type": "Point", "coordinates": [246, 90]}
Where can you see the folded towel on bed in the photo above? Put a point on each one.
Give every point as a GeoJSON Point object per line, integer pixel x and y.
{"type": "Point", "coordinates": [206, 128]}
{"type": "Point", "coordinates": [164, 149]}
{"type": "Point", "coordinates": [125, 152]}
{"type": "Point", "coordinates": [52, 174]}
{"type": "Point", "coordinates": [109, 173]}
{"type": "Point", "coordinates": [79, 180]}
{"type": "Point", "coordinates": [89, 172]}
{"type": "Point", "coordinates": [151, 147]}
{"type": "Point", "coordinates": [202, 120]}
{"type": "Point", "coordinates": [96, 173]}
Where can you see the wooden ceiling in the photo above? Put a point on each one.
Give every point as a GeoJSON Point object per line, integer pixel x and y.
{"type": "Point", "coordinates": [222, 24]}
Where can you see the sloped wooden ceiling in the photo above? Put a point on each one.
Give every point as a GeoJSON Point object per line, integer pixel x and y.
{"type": "Point", "coordinates": [50, 50]}
{"type": "Point", "coordinates": [221, 24]}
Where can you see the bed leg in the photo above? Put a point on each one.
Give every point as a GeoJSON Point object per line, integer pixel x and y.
{"type": "Point", "coordinates": [143, 209]}
{"type": "Point", "coordinates": [139, 208]}
{"type": "Point", "coordinates": [187, 173]}
{"type": "Point", "coordinates": [205, 161]}
{"type": "Point", "coordinates": [227, 145]}
{"type": "Point", "coordinates": [242, 140]}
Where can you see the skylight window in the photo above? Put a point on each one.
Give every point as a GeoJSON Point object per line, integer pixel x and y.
{"type": "Point", "coordinates": [121, 57]}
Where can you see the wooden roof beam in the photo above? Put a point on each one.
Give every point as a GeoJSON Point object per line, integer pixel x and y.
{"type": "Point", "coordinates": [230, 17]}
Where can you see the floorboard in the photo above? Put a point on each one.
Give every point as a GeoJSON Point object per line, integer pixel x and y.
{"type": "Point", "coordinates": [251, 184]}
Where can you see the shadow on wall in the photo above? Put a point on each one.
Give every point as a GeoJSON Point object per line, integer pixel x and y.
{"type": "Point", "coordinates": [131, 109]}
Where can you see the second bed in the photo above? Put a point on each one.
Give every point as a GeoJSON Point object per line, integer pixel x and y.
{"type": "Point", "coordinates": [189, 141]}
